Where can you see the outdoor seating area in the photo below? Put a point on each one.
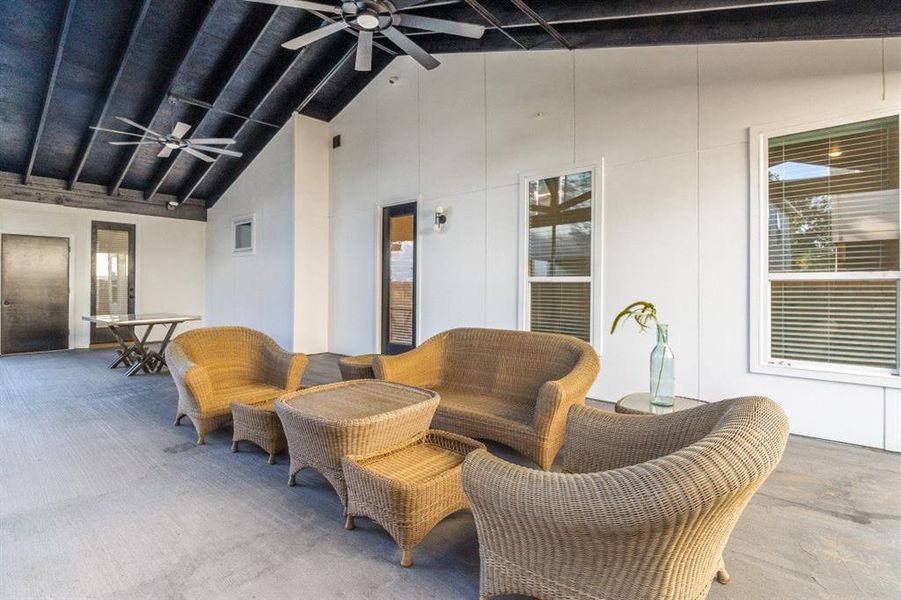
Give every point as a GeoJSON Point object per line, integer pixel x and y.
{"type": "Point", "coordinates": [450, 299]}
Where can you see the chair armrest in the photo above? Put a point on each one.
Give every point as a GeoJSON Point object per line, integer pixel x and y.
{"type": "Point", "coordinates": [556, 397]}
{"type": "Point", "coordinates": [510, 497]}
{"type": "Point", "coordinates": [599, 440]}
{"type": "Point", "coordinates": [283, 369]}
{"type": "Point", "coordinates": [420, 367]}
{"type": "Point", "coordinates": [189, 376]}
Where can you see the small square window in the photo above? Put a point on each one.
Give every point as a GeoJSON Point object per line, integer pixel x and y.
{"type": "Point", "coordinates": [244, 235]}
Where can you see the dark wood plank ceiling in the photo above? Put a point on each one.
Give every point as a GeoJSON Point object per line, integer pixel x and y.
{"type": "Point", "coordinates": [69, 64]}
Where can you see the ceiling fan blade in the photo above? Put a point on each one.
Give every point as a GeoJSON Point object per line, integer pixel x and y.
{"type": "Point", "coordinates": [133, 124]}
{"type": "Point", "coordinates": [139, 135]}
{"type": "Point", "coordinates": [440, 25]}
{"type": "Point", "coordinates": [199, 155]}
{"type": "Point", "coordinates": [301, 4]}
{"type": "Point", "coordinates": [131, 143]}
{"type": "Point", "coordinates": [214, 141]}
{"type": "Point", "coordinates": [166, 152]}
{"type": "Point", "coordinates": [364, 51]}
{"type": "Point", "coordinates": [314, 36]}
{"type": "Point", "coordinates": [412, 48]}
{"type": "Point", "coordinates": [217, 150]}
{"type": "Point", "coordinates": [180, 130]}
{"type": "Point", "coordinates": [402, 4]}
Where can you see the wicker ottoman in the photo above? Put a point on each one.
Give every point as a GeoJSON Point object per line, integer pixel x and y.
{"type": "Point", "coordinates": [258, 424]}
{"type": "Point", "coordinates": [326, 422]}
{"type": "Point", "coordinates": [356, 367]}
{"type": "Point", "coordinates": [408, 489]}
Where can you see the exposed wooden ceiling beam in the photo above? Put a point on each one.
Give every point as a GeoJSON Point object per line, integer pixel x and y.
{"type": "Point", "coordinates": [149, 117]}
{"type": "Point", "coordinates": [493, 21]}
{"type": "Point", "coordinates": [795, 21]}
{"type": "Point", "coordinates": [51, 83]}
{"type": "Point", "coordinates": [558, 12]}
{"type": "Point", "coordinates": [204, 169]}
{"type": "Point", "coordinates": [167, 164]}
{"type": "Point", "coordinates": [532, 14]}
{"type": "Point", "coordinates": [325, 79]}
{"type": "Point", "coordinates": [322, 74]}
{"type": "Point", "coordinates": [100, 114]}
{"type": "Point", "coordinates": [45, 190]}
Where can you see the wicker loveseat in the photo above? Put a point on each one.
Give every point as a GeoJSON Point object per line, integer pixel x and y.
{"type": "Point", "coordinates": [512, 387]}
{"type": "Point", "coordinates": [215, 366]}
{"type": "Point", "coordinates": [645, 511]}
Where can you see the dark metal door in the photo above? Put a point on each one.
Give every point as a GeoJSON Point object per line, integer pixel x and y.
{"type": "Point", "coordinates": [112, 274]}
{"type": "Point", "coordinates": [399, 278]}
{"type": "Point", "coordinates": [34, 285]}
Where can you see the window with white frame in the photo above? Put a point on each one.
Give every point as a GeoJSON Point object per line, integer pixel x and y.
{"type": "Point", "coordinates": [830, 252]}
{"type": "Point", "coordinates": [244, 235]}
{"type": "Point", "coordinates": [558, 268]}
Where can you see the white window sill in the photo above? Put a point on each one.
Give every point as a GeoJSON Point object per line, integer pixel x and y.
{"type": "Point", "coordinates": [823, 374]}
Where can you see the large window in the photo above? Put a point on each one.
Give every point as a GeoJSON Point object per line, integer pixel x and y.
{"type": "Point", "coordinates": [830, 253]}
{"type": "Point", "coordinates": [559, 256]}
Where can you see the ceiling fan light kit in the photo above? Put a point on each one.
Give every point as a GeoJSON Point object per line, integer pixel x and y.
{"type": "Point", "coordinates": [370, 17]}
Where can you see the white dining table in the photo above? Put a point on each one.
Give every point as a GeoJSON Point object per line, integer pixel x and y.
{"type": "Point", "coordinates": [134, 351]}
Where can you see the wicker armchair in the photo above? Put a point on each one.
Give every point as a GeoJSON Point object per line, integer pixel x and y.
{"type": "Point", "coordinates": [215, 366]}
{"type": "Point", "coordinates": [512, 387]}
{"type": "Point", "coordinates": [645, 512]}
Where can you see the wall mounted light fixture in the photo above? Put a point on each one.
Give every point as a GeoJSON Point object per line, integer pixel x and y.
{"type": "Point", "coordinates": [440, 219]}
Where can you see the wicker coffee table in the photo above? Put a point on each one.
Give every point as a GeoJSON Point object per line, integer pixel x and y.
{"type": "Point", "coordinates": [326, 422]}
{"type": "Point", "coordinates": [408, 489]}
{"type": "Point", "coordinates": [258, 424]}
{"type": "Point", "coordinates": [356, 367]}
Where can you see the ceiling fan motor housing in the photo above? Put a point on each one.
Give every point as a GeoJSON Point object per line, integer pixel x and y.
{"type": "Point", "coordinates": [367, 15]}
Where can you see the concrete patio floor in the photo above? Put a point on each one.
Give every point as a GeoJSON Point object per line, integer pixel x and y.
{"type": "Point", "coordinates": [101, 497]}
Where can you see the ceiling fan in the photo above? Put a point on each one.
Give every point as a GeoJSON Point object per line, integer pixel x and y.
{"type": "Point", "coordinates": [174, 141]}
{"type": "Point", "coordinates": [368, 17]}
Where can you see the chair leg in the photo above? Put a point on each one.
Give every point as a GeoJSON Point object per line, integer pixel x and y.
{"type": "Point", "coordinates": [178, 419]}
{"type": "Point", "coordinates": [723, 576]}
{"type": "Point", "coordinates": [272, 458]}
{"type": "Point", "coordinates": [201, 439]}
{"type": "Point", "coordinates": [349, 523]}
{"type": "Point", "coordinates": [406, 559]}
{"type": "Point", "coordinates": [292, 479]}
{"type": "Point", "coordinates": [235, 446]}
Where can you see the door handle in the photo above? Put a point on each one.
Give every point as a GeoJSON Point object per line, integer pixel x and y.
{"type": "Point", "coordinates": [6, 303]}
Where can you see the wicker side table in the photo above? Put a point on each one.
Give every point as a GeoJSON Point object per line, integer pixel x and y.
{"type": "Point", "coordinates": [356, 367]}
{"type": "Point", "coordinates": [258, 424]}
{"type": "Point", "coordinates": [410, 488]}
{"type": "Point", "coordinates": [640, 404]}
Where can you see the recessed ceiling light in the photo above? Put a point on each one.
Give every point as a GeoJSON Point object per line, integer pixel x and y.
{"type": "Point", "coordinates": [835, 152]}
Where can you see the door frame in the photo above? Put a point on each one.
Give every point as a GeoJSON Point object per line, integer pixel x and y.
{"type": "Point", "coordinates": [132, 252]}
{"type": "Point", "coordinates": [53, 234]}
{"type": "Point", "coordinates": [380, 259]}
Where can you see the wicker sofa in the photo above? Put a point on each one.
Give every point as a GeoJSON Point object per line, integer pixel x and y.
{"type": "Point", "coordinates": [644, 512]}
{"type": "Point", "coordinates": [512, 387]}
{"type": "Point", "coordinates": [216, 366]}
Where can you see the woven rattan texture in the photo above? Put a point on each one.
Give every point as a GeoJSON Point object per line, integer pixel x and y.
{"type": "Point", "coordinates": [214, 367]}
{"type": "Point", "coordinates": [410, 488]}
{"type": "Point", "coordinates": [645, 512]}
{"type": "Point", "coordinates": [512, 387]}
{"type": "Point", "coordinates": [325, 423]}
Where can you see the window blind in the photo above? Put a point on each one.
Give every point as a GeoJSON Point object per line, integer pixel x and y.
{"type": "Point", "coordinates": [559, 254]}
{"type": "Point", "coordinates": [111, 271]}
{"type": "Point", "coordinates": [833, 251]}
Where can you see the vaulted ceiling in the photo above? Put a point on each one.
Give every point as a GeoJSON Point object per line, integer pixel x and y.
{"type": "Point", "coordinates": [218, 65]}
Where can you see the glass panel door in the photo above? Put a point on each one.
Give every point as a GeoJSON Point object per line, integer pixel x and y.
{"type": "Point", "coordinates": [112, 274]}
{"type": "Point", "coordinates": [399, 278]}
